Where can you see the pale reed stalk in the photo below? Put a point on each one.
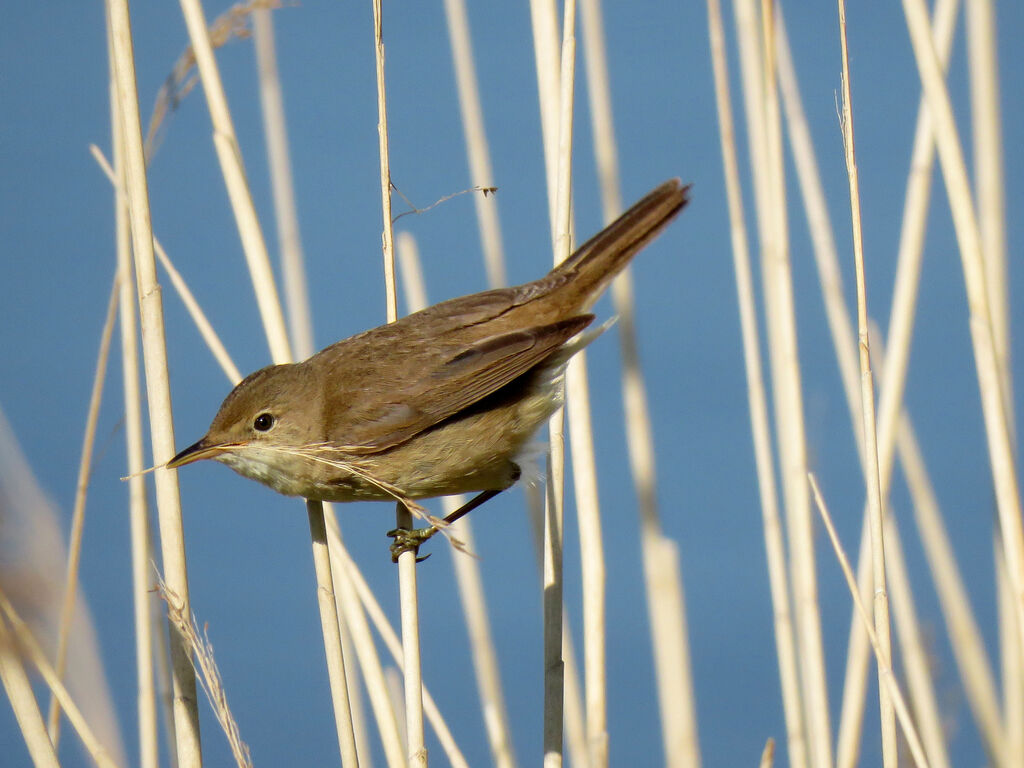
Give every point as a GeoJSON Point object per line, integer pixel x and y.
{"type": "Point", "coordinates": [30, 647]}
{"type": "Point", "coordinates": [988, 177]}
{"type": "Point", "coordinates": [67, 610]}
{"type": "Point", "coordinates": [871, 472]}
{"type": "Point", "coordinates": [23, 702]}
{"type": "Point", "coordinates": [388, 725]}
{"type": "Point", "coordinates": [990, 196]}
{"type": "Point", "coordinates": [757, 46]}
{"type": "Point", "coordinates": [390, 638]}
{"type": "Point", "coordinates": [662, 576]}
{"type": "Point", "coordinates": [582, 443]}
{"type": "Point", "coordinates": [550, 84]}
{"type": "Point", "coordinates": [353, 673]}
{"type": "Point", "coordinates": [1012, 663]}
{"type": "Point", "coordinates": [544, 23]}
{"type": "Point", "coordinates": [332, 635]}
{"type": "Point", "coordinates": [293, 270]}
{"type": "Point", "coordinates": [415, 749]}
{"type": "Point", "coordinates": [186, 715]}
{"type": "Point", "coordinates": [477, 151]}
{"type": "Point", "coordinates": [914, 654]}
{"type": "Point", "coordinates": [209, 677]}
{"type": "Point", "coordinates": [987, 363]}
{"type": "Point", "coordinates": [913, 651]}
{"type": "Point", "coordinates": [143, 582]}
{"type": "Point", "coordinates": [757, 403]}
{"type": "Point", "coordinates": [572, 700]}
{"type": "Point", "coordinates": [213, 342]}
{"type": "Point", "coordinates": [467, 569]}
{"type": "Point", "coordinates": [888, 678]}
{"type": "Point", "coordinates": [961, 626]}
{"type": "Point", "coordinates": [230, 156]}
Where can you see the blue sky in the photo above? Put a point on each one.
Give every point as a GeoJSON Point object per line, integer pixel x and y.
{"type": "Point", "coordinates": [248, 548]}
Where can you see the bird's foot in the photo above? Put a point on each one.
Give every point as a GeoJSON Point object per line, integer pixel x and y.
{"type": "Point", "coordinates": [409, 540]}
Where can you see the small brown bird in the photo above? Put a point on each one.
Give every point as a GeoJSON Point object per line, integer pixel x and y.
{"type": "Point", "coordinates": [440, 402]}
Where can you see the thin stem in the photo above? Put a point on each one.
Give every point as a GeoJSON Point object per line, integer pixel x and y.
{"type": "Point", "coordinates": [415, 749]}
{"type": "Point", "coordinates": [332, 635]}
{"type": "Point", "coordinates": [67, 610]}
{"type": "Point", "coordinates": [874, 494]}
{"type": "Point", "coordinates": [23, 702]}
{"type": "Point", "coordinates": [887, 678]}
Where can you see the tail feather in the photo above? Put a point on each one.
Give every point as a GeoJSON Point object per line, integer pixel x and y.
{"type": "Point", "coordinates": [593, 265]}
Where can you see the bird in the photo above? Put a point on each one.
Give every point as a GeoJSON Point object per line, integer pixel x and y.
{"type": "Point", "coordinates": [442, 401]}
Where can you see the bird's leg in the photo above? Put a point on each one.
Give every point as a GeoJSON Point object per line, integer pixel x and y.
{"type": "Point", "coordinates": [406, 539]}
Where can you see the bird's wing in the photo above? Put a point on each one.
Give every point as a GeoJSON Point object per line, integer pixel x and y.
{"type": "Point", "coordinates": [444, 385]}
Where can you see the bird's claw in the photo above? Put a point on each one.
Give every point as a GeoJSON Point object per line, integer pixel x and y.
{"type": "Point", "coordinates": [409, 540]}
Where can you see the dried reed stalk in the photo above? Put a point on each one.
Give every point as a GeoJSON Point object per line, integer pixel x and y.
{"type": "Point", "coordinates": [27, 644]}
{"type": "Point", "coordinates": [213, 342]}
{"type": "Point", "coordinates": [275, 129]}
{"type": "Point", "coordinates": [663, 579]}
{"type": "Point", "coordinates": [887, 678]}
{"type": "Point", "coordinates": [230, 156]}
{"type": "Point", "coordinates": [209, 675]}
{"type": "Point", "coordinates": [757, 402]}
{"type": "Point", "coordinates": [913, 651]}
{"type": "Point", "coordinates": [186, 717]}
{"type": "Point", "coordinates": [867, 394]}
{"type": "Point", "coordinates": [988, 172]}
{"type": "Point", "coordinates": [961, 625]}
{"type": "Point", "coordinates": [67, 610]}
{"type": "Point", "coordinates": [143, 599]}
{"type": "Point", "coordinates": [758, 66]}
{"type": "Point", "coordinates": [23, 702]}
{"type": "Point", "coordinates": [544, 21]}
{"type": "Point", "coordinates": [477, 151]}
{"type": "Point", "coordinates": [415, 749]}
{"type": "Point", "coordinates": [376, 614]}
{"type": "Point", "coordinates": [987, 362]}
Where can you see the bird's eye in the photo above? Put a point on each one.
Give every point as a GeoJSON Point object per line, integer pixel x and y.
{"type": "Point", "coordinates": [263, 422]}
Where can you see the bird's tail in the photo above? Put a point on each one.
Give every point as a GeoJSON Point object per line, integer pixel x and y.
{"type": "Point", "coordinates": [592, 266]}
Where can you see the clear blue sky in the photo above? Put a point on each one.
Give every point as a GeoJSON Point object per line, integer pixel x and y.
{"type": "Point", "coordinates": [248, 549]}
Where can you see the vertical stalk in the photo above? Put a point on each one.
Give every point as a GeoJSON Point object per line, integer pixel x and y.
{"type": "Point", "coordinates": [275, 128]}
{"type": "Point", "coordinates": [67, 611]}
{"type": "Point", "coordinates": [415, 749]}
{"type": "Point", "coordinates": [142, 575]}
{"type": "Point", "coordinates": [186, 716]}
{"type": "Point", "coordinates": [662, 576]}
{"type": "Point", "coordinates": [757, 402]}
{"type": "Point", "coordinates": [867, 392]}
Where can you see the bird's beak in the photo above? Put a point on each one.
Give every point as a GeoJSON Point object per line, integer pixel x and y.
{"type": "Point", "coordinates": [204, 449]}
